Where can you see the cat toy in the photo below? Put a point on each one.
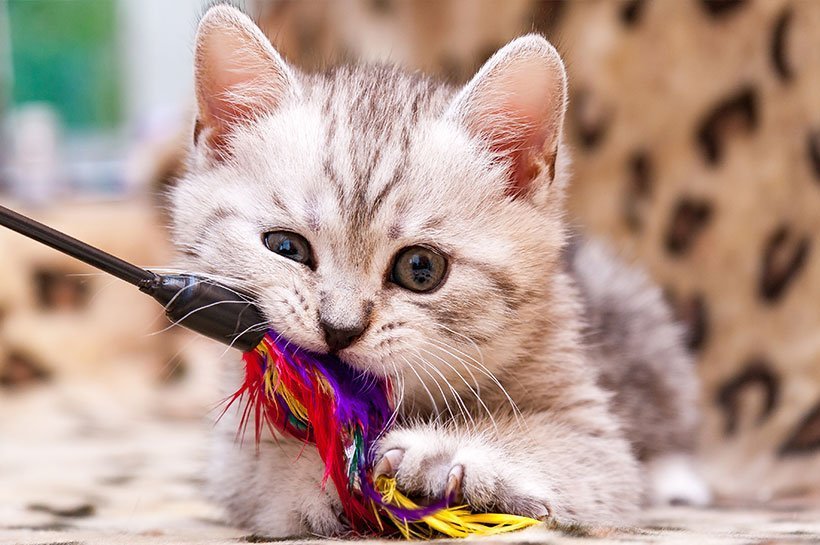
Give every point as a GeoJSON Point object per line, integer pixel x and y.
{"type": "Point", "coordinates": [315, 398]}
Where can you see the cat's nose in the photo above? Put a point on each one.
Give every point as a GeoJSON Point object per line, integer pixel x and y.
{"type": "Point", "coordinates": [339, 338]}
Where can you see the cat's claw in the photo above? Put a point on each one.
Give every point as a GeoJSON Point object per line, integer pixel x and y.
{"type": "Point", "coordinates": [390, 461]}
{"type": "Point", "coordinates": [453, 492]}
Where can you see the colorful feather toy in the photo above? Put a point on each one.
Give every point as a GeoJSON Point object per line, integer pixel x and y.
{"type": "Point", "coordinates": [313, 397]}
{"type": "Point", "coordinates": [318, 399]}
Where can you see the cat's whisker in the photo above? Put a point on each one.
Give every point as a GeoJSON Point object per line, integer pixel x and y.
{"type": "Point", "coordinates": [164, 370]}
{"type": "Point", "coordinates": [369, 380]}
{"type": "Point", "coordinates": [278, 337]}
{"type": "Point", "coordinates": [483, 369]}
{"type": "Point", "coordinates": [461, 399]}
{"type": "Point", "coordinates": [424, 367]}
{"type": "Point", "coordinates": [263, 325]}
{"type": "Point", "coordinates": [102, 289]}
{"type": "Point", "coordinates": [480, 367]}
{"type": "Point", "coordinates": [230, 283]}
{"type": "Point", "coordinates": [474, 391]}
{"type": "Point", "coordinates": [423, 384]}
{"type": "Point", "coordinates": [465, 413]}
{"type": "Point", "coordinates": [465, 337]}
{"type": "Point", "coordinates": [450, 352]}
{"type": "Point", "coordinates": [161, 314]}
{"type": "Point", "coordinates": [399, 383]}
{"type": "Point", "coordinates": [191, 313]}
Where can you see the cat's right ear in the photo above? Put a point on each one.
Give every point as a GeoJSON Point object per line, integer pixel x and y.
{"type": "Point", "coordinates": [516, 104]}
{"type": "Point", "coordinates": [239, 76]}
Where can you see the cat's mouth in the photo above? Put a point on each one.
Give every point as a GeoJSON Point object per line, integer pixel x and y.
{"type": "Point", "coordinates": [366, 364]}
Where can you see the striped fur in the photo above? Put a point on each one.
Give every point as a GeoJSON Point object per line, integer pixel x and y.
{"type": "Point", "coordinates": [494, 365]}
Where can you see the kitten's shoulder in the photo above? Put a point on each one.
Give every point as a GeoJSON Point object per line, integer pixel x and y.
{"type": "Point", "coordinates": [637, 346]}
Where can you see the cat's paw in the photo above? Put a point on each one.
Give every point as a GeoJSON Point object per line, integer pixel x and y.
{"type": "Point", "coordinates": [324, 518]}
{"type": "Point", "coordinates": [433, 464]}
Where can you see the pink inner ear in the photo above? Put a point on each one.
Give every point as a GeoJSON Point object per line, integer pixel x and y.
{"type": "Point", "coordinates": [524, 144]}
{"type": "Point", "coordinates": [233, 65]}
{"type": "Point", "coordinates": [239, 75]}
{"type": "Point", "coordinates": [518, 107]}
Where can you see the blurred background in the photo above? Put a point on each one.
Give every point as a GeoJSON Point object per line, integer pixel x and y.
{"type": "Point", "coordinates": [695, 131]}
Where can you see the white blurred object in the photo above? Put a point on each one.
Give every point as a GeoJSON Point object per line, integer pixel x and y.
{"type": "Point", "coordinates": [157, 39]}
{"type": "Point", "coordinates": [36, 170]}
{"type": "Point", "coordinates": [160, 139]}
{"type": "Point", "coordinates": [674, 480]}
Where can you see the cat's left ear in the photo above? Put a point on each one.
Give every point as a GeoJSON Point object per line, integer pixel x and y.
{"type": "Point", "coordinates": [239, 76]}
{"type": "Point", "coordinates": [516, 104]}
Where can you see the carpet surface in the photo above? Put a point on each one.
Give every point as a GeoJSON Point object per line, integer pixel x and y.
{"type": "Point", "coordinates": [86, 463]}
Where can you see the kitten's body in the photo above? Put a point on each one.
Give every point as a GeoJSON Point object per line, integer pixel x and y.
{"type": "Point", "coordinates": [517, 389]}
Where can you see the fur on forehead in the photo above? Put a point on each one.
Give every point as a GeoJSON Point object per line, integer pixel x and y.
{"type": "Point", "coordinates": [512, 109]}
{"type": "Point", "coordinates": [368, 151]}
{"type": "Point", "coordinates": [363, 134]}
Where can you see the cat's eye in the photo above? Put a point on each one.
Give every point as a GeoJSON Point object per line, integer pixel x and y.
{"type": "Point", "coordinates": [289, 245]}
{"type": "Point", "coordinates": [418, 269]}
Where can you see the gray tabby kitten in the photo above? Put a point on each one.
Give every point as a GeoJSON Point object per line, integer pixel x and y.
{"type": "Point", "coordinates": [418, 232]}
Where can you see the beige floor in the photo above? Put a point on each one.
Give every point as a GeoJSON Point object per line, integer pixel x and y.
{"type": "Point", "coordinates": [83, 464]}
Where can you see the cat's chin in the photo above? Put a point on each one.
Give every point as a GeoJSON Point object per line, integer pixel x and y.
{"type": "Point", "coordinates": [366, 364]}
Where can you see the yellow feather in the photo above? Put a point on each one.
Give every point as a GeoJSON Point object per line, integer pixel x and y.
{"type": "Point", "coordinates": [457, 521]}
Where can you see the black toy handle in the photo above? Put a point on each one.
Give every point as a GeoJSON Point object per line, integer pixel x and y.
{"type": "Point", "coordinates": [197, 303]}
{"type": "Point", "coordinates": [75, 248]}
{"type": "Point", "coordinates": [209, 308]}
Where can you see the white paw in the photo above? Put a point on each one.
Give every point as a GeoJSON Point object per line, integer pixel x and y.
{"type": "Point", "coordinates": [674, 480]}
{"type": "Point", "coordinates": [323, 516]}
{"type": "Point", "coordinates": [433, 464]}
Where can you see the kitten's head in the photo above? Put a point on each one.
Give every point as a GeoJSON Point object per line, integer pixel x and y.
{"type": "Point", "coordinates": [410, 227]}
